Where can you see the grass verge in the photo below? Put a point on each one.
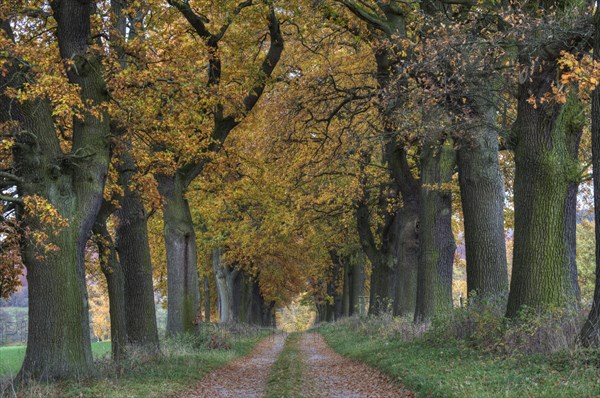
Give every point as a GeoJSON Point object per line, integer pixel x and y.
{"type": "Point", "coordinates": [184, 362]}
{"type": "Point", "coordinates": [449, 369]}
{"type": "Point", "coordinates": [11, 357]}
{"type": "Point", "coordinates": [286, 374]}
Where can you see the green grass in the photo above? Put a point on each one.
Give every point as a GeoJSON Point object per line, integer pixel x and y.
{"type": "Point", "coordinates": [286, 375]}
{"type": "Point", "coordinates": [450, 370]}
{"type": "Point", "coordinates": [180, 368]}
{"type": "Point", "coordinates": [12, 357]}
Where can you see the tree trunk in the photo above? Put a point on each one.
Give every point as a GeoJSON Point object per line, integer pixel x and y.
{"type": "Point", "coordinates": [225, 277]}
{"type": "Point", "coordinates": [590, 334]}
{"type": "Point", "coordinates": [406, 239]}
{"type": "Point", "coordinates": [206, 300]}
{"type": "Point", "coordinates": [482, 196]}
{"type": "Point", "coordinates": [58, 344]}
{"type": "Point", "coordinates": [408, 261]}
{"type": "Point", "coordinates": [183, 288]}
{"type": "Point", "coordinates": [542, 272]}
{"type": "Point", "coordinates": [383, 259]}
{"type": "Point", "coordinates": [358, 284]}
{"type": "Point", "coordinates": [115, 281]}
{"type": "Point", "coordinates": [134, 253]}
{"type": "Point", "coordinates": [381, 281]}
{"type": "Point", "coordinates": [434, 280]}
{"type": "Point", "coordinates": [241, 298]}
{"type": "Point", "coordinates": [346, 289]}
{"type": "Point", "coordinates": [333, 286]}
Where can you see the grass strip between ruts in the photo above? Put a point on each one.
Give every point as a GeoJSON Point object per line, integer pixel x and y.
{"type": "Point", "coordinates": [286, 374]}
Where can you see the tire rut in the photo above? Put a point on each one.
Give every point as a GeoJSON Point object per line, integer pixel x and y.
{"type": "Point", "coordinates": [245, 377]}
{"type": "Point", "coordinates": [329, 375]}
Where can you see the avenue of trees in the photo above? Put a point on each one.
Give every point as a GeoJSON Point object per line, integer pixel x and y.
{"type": "Point", "coordinates": [232, 156]}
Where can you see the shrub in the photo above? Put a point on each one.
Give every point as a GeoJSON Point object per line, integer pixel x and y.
{"type": "Point", "coordinates": [483, 326]}
{"type": "Point", "coordinates": [543, 331]}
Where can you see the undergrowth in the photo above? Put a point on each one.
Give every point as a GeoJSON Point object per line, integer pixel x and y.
{"type": "Point", "coordinates": [476, 352]}
{"type": "Point", "coordinates": [182, 362]}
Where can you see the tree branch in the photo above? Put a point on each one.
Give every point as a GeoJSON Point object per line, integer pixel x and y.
{"type": "Point", "coordinates": [11, 199]}
{"type": "Point", "coordinates": [197, 21]}
{"type": "Point", "coordinates": [367, 16]}
{"type": "Point", "coordinates": [269, 63]}
{"type": "Point", "coordinates": [235, 13]}
{"type": "Point", "coordinates": [11, 177]}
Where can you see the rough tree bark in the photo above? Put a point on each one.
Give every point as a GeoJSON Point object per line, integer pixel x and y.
{"type": "Point", "coordinates": [482, 196]}
{"type": "Point", "coordinates": [408, 262]}
{"type": "Point", "coordinates": [59, 337]}
{"type": "Point", "coordinates": [248, 302]}
{"type": "Point", "coordinates": [183, 288]}
{"type": "Point", "coordinates": [134, 254]}
{"type": "Point", "coordinates": [434, 281]}
{"type": "Point", "coordinates": [225, 278]}
{"type": "Point", "coordinates": [115, 281]}
{"type": "Point", "coordinates": [382, 259]}
{"type": "Point", "coordinates": [542, 272]}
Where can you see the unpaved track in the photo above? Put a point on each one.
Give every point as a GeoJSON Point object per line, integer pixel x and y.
{"type": "Point", "coordinates": [245, 377]}
{"type": "Point", "coordinates": [327, 374]}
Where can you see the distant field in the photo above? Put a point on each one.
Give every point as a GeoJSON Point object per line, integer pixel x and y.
{"type": "Point", "coordinates": [13, 325]}
{"type": "Point", "coordinates": [12, 314]}
{"type": "Point", "coordinates": [12, 357]}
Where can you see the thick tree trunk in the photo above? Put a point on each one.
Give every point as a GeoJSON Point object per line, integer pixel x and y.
{"type": "Point", "coordinates": [225, 278]}
{"type": "Point", "coordinates": [482, 195]}
{"type": "Point", "coordinates": [115, 281]}
{"type": "Point", "coordinates": [248, 302]}
{"type": "Point", "coordinates": [542, 271]}
{"type": "Point", "coordinates": [241, 298]}
{"type": "Point", "coordinates": [258, 304]}
{"type": "Point", "coordinates": [434, 280]}
{"type": "Point", "coordinates": [333, 286]}
{"type": "Point", "coordinates": [183, 288]}
{"type": "Point", "coordinates": [408, 261]}
{"type": "Point", "coordinates": [590, 334]}
{"type": "Point", "coordinates": [58, 344]}
{"type": "Point", "coordinates": [383, 260]}
{"type": "Point", "coordinates": [380, 297]}
{"type": "Point", "coordinates": [134, 253]}
{"type": "Point", "coordinates": [544, 268]}
{"type": "Point", "coordinates": [406, 239]}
